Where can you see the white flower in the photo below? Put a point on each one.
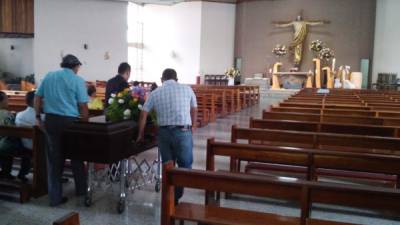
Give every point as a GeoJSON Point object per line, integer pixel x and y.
{"type": "Point", "coordinates": [140, 107]}
{"type": "Point", "coordinates": [127, 113]}
{"type": "Point", "coordinates": [110, 101]}
{"type": "Point", "coordinates": [121, 101]}
{"type": "Point", "coordinates": [113, 95]}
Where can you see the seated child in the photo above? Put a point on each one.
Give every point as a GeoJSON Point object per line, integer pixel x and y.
{"type": "Point", "coordinates": [94, 103]}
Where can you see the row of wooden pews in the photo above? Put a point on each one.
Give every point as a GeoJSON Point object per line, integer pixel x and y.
{"type": "Point", "coordinates": [339, 162]}
{"type": "Point", "coordinates": [219, 101]}
{"type": "Point", "coordinates": [303, 193]}
{"type": "Point", "coordinates": [16, 100]}
{"type": "Point", "coordinates": [24, 86]}
{"type": "Point", "coordinates": [38, 185]}
{"type": "Point", "coordinates": [101, 87]}
{"type": "Point", "coordinates": [213, 101]}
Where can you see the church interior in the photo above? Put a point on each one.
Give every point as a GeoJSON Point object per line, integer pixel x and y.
{"type": "Point", "coordinates": [278, 112]}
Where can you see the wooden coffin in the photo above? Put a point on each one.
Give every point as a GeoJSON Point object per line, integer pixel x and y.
{"type": "Point", "coordinates": [102, 141]}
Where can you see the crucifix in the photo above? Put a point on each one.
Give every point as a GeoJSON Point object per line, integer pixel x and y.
{"type": "Point", "coordinates": [300, 34]}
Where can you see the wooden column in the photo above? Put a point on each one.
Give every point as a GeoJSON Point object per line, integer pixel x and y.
{"type": "Point", "coordinates": [317, 63]}
{"type": "Point", "coordinates": [309, 82]}
{"type": "Point", "coordinates": [275, 79]}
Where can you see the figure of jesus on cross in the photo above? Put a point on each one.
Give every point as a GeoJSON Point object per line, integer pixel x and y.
{"type": "Point", "coordinates": [300, 34]}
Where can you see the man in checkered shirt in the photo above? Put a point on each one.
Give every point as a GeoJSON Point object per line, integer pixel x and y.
{"type": "Point", "coordinates": [176, 108]}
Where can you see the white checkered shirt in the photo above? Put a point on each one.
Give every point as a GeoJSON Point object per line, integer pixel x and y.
{"type": "Point", "coordinates": [172, 103]}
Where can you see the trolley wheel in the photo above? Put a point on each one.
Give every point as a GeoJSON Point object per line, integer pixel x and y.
{"type": "Point", "coordinates": [121, 206]}
{"type": "Point", "coordinates": [88, 200]}
{"type": "Point", "coordinates": [157, 186]}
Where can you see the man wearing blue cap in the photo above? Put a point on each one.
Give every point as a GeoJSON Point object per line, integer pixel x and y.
{"type": "Point", "coordinates": [63, 96]}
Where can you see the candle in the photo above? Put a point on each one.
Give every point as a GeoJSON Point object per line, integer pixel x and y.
{"type": "Point", "coordinates": [333, 64]}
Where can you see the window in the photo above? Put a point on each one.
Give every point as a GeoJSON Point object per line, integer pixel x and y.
{"type": "Point", "coordinates": [135, 40]}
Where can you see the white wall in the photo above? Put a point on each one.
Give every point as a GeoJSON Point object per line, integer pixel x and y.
{"type": "Point", "coordinates": [63, 27]}
{"type": "Point", "coordinates": [217, 37]}
{"type": "Point", "coordinates": [387, 38]}
{"type": "Point", "coordinates": [18, 61]}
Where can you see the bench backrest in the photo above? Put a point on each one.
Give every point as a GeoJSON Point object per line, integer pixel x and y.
{"type": "Point", "coordinates": [381, 145]}
{"type": "Point", "coordinates": [305, 192]}
{"type": "Point", "coordinates": [311, 117]}
{"type": "Point", "coordinates": [311, 158]}
{"type": "Point", "coordinates": [327, 127]}
{"type": "Point", "coordinates": [20, 132]}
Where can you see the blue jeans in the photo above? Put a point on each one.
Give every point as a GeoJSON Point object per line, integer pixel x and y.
{"type": "Point", "coordinates": [176, 144]}
{"type": "Point", "coordinates": [55, 127]}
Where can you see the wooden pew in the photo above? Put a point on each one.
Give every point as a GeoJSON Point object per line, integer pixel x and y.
{"type": "Point", "coordinates": [16, 107]}
{"type": "Point", "coordinates": [325, 101]}
{"type": "Point", "coordinates": [230, 100]}
{"type": "Point", "coordinates": [39, 183]}
{"type": "Point", "coordinates": [319, 106]}
{"type": "Point", "coordinates": [361, 112]}
{"type": "Point", "coordinates": [383, 121]}
{"type": "Point", "coordinates": [377, 99]}
{"type": "Point", "coordinates": [220, 101]}
{"type": "Point", "coordinates": [328, 141]}
{"type": "Point", "coordinates": [69, 219]}
{"type": "Point", "coordinates": [310, 163]}
{"type": "Point", "coordinates": [340, 112]}
{"type": "Point", "coordinates": [206, 102]}
{"type": "Point", "coordinates": [14, 93]}
{"type": "Point", "coordinates": [328, 127]}
{"type": "Point", "coordinates": [243, 95]}
{"type": "Point", "coordinates": [203, 113]}
{"type": "Point", "coordinates": [304, 192]}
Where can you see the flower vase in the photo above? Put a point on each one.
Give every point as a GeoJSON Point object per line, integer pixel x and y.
{"type": "Point", "coordinates": [231, 81]}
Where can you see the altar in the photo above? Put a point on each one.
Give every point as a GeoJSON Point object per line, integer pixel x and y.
{"type": "Point", "coordinates": [277, 80]}
{"type": "Point", "coordinates": [262, 83]}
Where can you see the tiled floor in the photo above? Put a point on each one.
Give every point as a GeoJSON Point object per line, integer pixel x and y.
{"type": "Point", "coordinates": [144, 205]}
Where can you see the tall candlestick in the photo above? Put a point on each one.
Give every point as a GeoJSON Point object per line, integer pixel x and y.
{"type": "Point", "coordinates": [333, 64]}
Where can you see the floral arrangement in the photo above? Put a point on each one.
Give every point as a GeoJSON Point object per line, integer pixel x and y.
{"type": "Point", "coordinates": [326, 54]}
{"type": "Point", "coordinates": [279, 50]}
{"type": "Point", "coordinates": [123, 106]}
{"type": "Point", "coordinates": [317, 46]}
{"type": "Point", "coordinates": [232, 72]}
